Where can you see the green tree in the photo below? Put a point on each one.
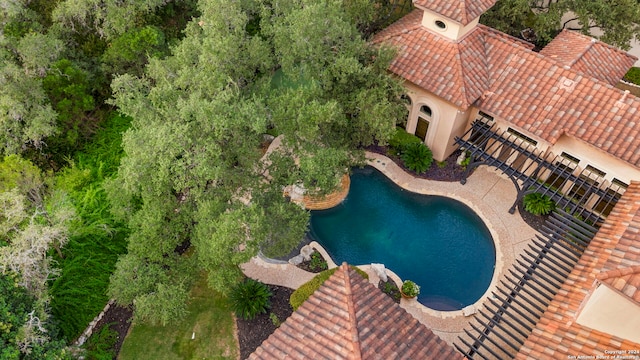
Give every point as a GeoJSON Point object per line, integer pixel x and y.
{"type": "Point", "coordinates": [109, 18]}
{"type": "Point", "coordinates": [192, 173]}
{"type": "Point", "coordinates": [33, 222]}
{"type": "Point", "coordinates": [128, 53]}
{"type": "Point", "coordinates": [26, 117]}
{"type": "Point", "coordinates": [617, 19]}
{"type": "Point", "coordinates": [69, 92]}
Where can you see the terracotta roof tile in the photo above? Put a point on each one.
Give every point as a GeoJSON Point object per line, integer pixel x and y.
{"type": "Point", "coordinates": [589, 56]}
{"type": "Point", "coordinates": [557, 329]}
{"type": "Point", "coordinates": [348, 318]}
{"type": "Point", "coordinates": [537, 93]}
{"type": "Point", "coordinates": [462, 11]}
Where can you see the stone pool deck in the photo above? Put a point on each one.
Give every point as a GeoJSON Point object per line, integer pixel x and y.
{"type": "Point", "coordinates": [489, 193]}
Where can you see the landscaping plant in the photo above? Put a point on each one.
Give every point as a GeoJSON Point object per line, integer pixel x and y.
{"type": "Point", "coordinates": [410, 288]}
{"type": "Point", "coordinates": [392, 290]}
{"type": "Point", "coordinates": [317, 263]}
{"type": "Point", "coordinates": [538, 204]}
{"type": "Point", "coordinates": [417, 157]}
{"type": "Point", "coordinates": [250, 298]}
{"type": "Point", "coordinates": [400, 140]}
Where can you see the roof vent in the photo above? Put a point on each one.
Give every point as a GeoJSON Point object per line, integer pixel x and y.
{"type": "Point", "coordinates": [567, 84]}
{"type": "Point", "coordinates": [620, 103]}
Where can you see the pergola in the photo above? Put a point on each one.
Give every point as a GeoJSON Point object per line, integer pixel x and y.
{"type": "Point", "coordinates": [583, 200]}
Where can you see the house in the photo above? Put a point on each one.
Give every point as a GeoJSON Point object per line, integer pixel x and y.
{"type": "Point", "coordinates": [559, 107]}
{"type": "Point", "coordinates": [561, 100]}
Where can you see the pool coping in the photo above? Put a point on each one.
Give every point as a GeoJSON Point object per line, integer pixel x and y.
{"type": "Point", "coordinates": [425, 187]}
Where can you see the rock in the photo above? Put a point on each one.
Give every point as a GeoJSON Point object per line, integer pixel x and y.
{"type": "Point", "coordinates": [469, 310]}
{"type": "Point", "coordinates": [296, 260]}
{"type": "Point", "coordinates": [380, 271]}
{"type": "Point", "coordinates": [461, 158]}
{"type": "Point", "coordinates": [306, 252]}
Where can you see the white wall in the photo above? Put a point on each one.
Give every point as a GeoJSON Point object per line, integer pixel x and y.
{"type": "Point", "coordinates": [454, 30]}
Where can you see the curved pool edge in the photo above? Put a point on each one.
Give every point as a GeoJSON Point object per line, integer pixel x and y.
{"type": "Point", "coordinates": [429, 187]}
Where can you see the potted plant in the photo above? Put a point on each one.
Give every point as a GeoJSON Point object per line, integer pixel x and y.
{"type": "Point", "coordinates": [409, 289]}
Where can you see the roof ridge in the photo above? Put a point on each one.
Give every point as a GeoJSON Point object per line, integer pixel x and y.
{"type": "Point", "coordinates": [355, 337]}
{"type": "Point", "coordinates": [587, 48]}
{"type": "Point", "coordinates": [630, 270]}
{"type": "Point", "coordinates": [600, 42]}
{"type": "Point", "coordinates": [397, 33]}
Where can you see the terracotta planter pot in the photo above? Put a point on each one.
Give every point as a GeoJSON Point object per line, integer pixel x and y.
{"type": "Point", "coordinates": [406, 296]}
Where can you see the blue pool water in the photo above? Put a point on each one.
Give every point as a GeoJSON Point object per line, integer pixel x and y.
{"type": "Point", "coordinates": [438, 242]}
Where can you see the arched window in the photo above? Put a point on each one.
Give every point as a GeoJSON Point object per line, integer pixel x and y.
{"type": "Point", "coordinates": [425, 110]}
{"type": "Point", "coordinates": [406, 99]}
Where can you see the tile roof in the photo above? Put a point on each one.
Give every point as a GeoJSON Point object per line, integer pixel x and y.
{"type": "Point", "coordinates": [506, 79]}
{"type": "Point", "coordinates": [462, 11]}
{"type": "Point", "coordinates": [349, 318]}
{"type": "Point", "coordinates": [589, 56]}
{"type": "Point", "coordinates": [455, 71]}
{"type": "Point", "coordinates": [613, 256]}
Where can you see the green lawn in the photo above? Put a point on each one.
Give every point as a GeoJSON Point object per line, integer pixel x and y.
{"type": "Point", "coordinates": [210, 317]}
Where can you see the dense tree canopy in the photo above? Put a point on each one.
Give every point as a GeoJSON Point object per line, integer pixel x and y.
{"type": "Point", "coordinates": [618, 20]}
{"type": "Point", "coordinates": [192, 172]}
{"type": "Point", "coordinates": [33, 222]}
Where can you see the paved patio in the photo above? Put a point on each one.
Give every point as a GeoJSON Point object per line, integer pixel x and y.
{"type": "Point", "coordinates": [489, 193]}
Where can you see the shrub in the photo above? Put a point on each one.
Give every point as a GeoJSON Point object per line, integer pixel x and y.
{"type": "Point", "coordinates": [250, 298]}
{"type": "Point", "coordinates": [317, 263]}
{"type": "Point", "coordinates": [410, 289]}
{"type": "Point", "coordinates": [417, 157]}
{"type": "Point", "coordinates": [100, 345]}
{"type": "Point", "coordinates": [400, 140]}
{"type": "Point", "coordinates": [275, 320]}
{"type": "Point", "coordinates": [299, 296]}
{"type": "Point", "coordinates": [538, 204]}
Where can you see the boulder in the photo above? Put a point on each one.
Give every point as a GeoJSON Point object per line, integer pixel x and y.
{"type": "Point", "coordinates": [461, 158]}
{"type": "Point", "coordinates": [469, 310]}
{"type": "Point", "coordinates": [380, 271]}
{"type": "Point", "coordinates": [306, 252]}
{"type": "Point", "coordinates": [296, 260]}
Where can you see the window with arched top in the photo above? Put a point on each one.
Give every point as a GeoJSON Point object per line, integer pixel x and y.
{"type": "Point", "coordinates": [406, 99]}
{"type": "Point", "coordinates": [425, 110]}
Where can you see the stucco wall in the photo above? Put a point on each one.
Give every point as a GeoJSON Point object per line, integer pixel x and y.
{"type": "Point", "coordinates": [609, 311]}
{"type": "Point", "coordinates": [454, 30]}
{"type": "Point", "coordinates": [446, 121]}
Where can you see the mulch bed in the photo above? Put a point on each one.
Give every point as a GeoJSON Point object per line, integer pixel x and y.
{"type": "Point", "coordinates": [535, 221]}
{"type": "Point", "coordinates": [251, 333]}
{"type": "Point", "coordinates": [391, 290]}
{"type": "Point", "coordinates": [306, 265]}
{"type": "Point", "coordinates": [118, 319]}
{"type": "Point", "coordinates": [448, 170]}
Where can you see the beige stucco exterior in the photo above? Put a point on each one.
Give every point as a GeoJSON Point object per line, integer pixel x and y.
{"type": "Point", "coordinates": [589, 155]}
{"type": "Point", "coordinates": [445, 123]}
{"type": "Point", "coordinates": [609, 311]}
{"type": "Point", "coordinates": [453, 30]}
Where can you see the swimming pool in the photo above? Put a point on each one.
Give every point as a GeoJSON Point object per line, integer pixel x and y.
{"type": "Point", "coordinates": [438, 242]}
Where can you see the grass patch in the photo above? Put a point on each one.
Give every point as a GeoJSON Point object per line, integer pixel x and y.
{"type": "Point", "coordinates": [209, 316]}
{"type": "Point", "coordinates": [79, 293]}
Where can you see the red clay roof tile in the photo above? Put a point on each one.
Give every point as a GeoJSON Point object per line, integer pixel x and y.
{"type": "Point", "coordinates": [348, 318]}
{"type": "Point", "coordinates": [462, 11]}
{"type": "Point", "coordinates": [536, 93]}
{"type": "Point", "coordinates": [601, 261]}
